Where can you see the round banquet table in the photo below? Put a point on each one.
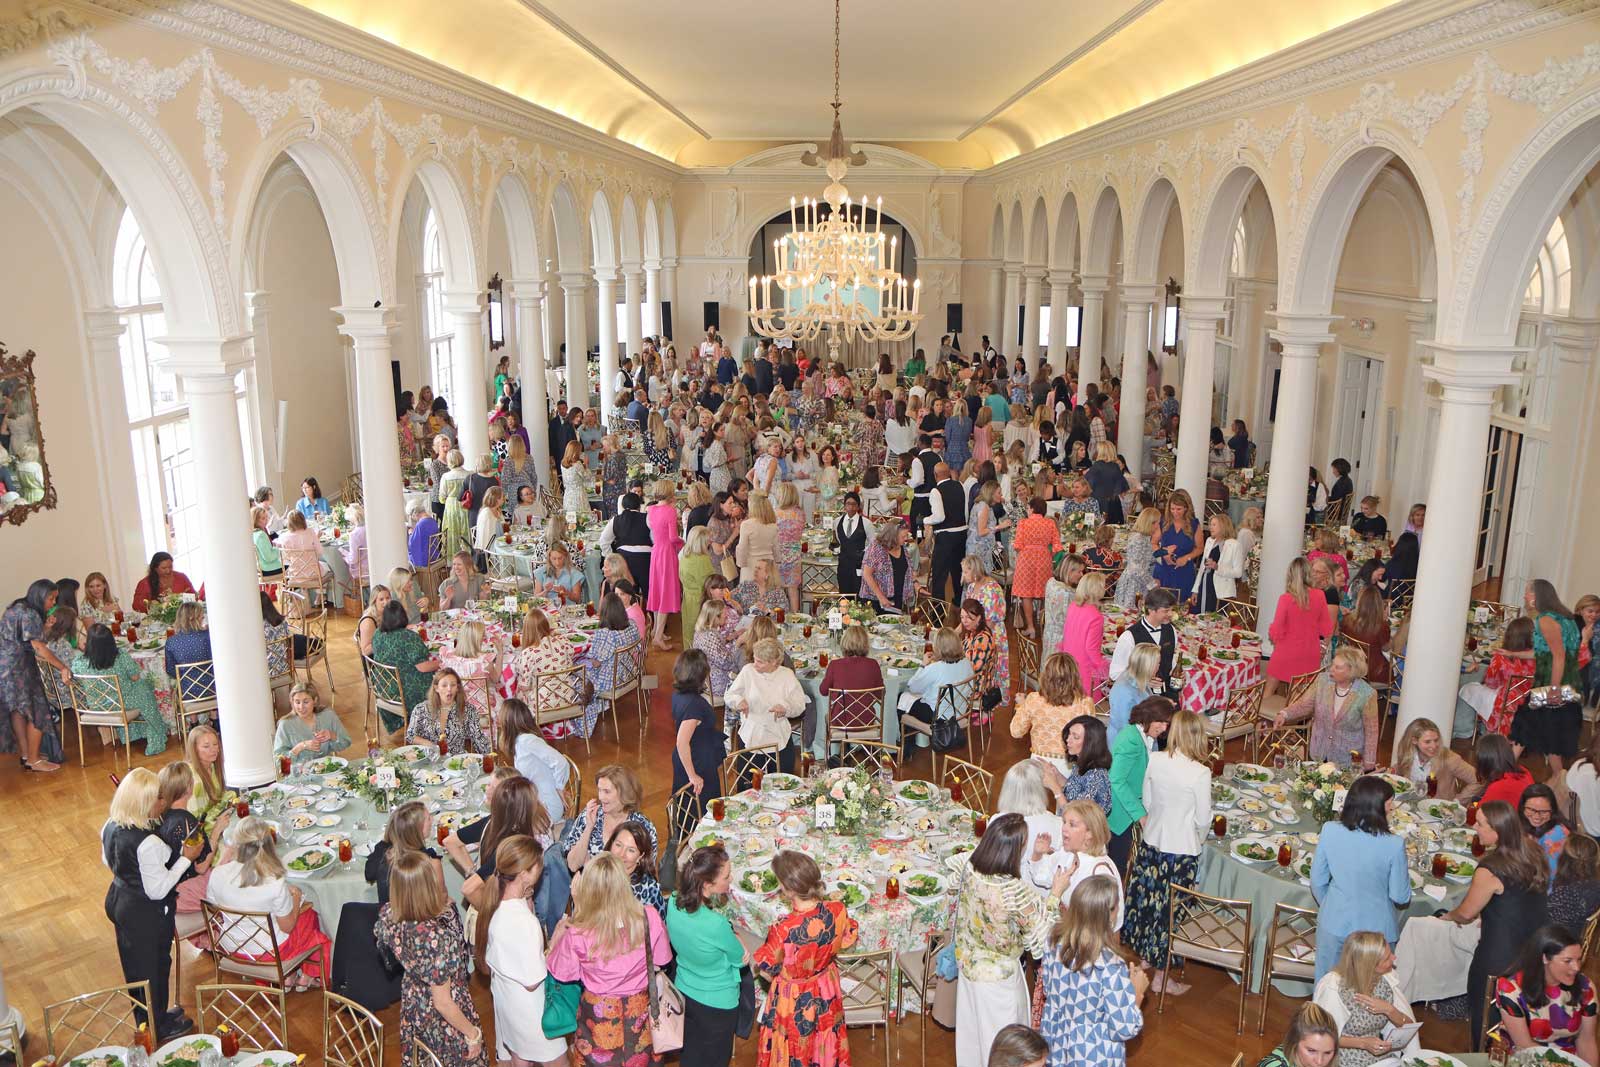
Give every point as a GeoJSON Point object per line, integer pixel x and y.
{"type": "Point", "coordinates": [1206, 682]}
{"type": "Point", "coordinates": [1278, 814]}
{"type": "Point", "coordinates": [897, 644]}
{"type": "Point", "coordinates": [757, 825]}
{"type": "Point", "coordinates": [455, 797]}
{"type": "Point", "coordinates": [149, 651]}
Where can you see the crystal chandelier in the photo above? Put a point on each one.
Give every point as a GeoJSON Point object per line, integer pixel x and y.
{"type": "Point", "coordinates": [835, 271]}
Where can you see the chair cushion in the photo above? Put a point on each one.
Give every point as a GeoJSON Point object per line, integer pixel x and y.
{"type": "Point", "coordinates": [1226, 958]}
{"type": "Point", "coordinates": [265, 969]}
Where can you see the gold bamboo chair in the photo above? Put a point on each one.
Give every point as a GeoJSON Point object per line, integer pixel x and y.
{"type": "Point", "coordinates": [977, 784]}
{"type": "Point", "coordinates": [352, 1036]}
{"type": "Point", "coordinates": [854, 703]}
{"type": "Point", "coordinates": [572, 792]}
{"type": "Point", "coordinates": [915, 971]}
{"type": "Point", "coordinates": [422, 1055]}
{"type": "Point", "coordinates": [1028, 656]}
{"type": "Point", "coordinates": [1240, 716]}
{"type": "Point", "coordinates": [1291, 951]}
{"type": "Point", "coordinates": [1242, 614]}
{"type": "Point", "coordinates": [97, 700]}
{"type": "Point", "coordinates": [90, 1020]}
{"type": "Point", "coordinates": [195, 690]}
{"type": "Point", "coordinates": [738, 764]}
{"type": "Point", "coordinates": [869, 755]}
{"type": "Point", "coordinates": [627, 679]}
{"type": "Point", "coordinates": [684, 810]}
{"type": "Point", "coordinates": [558, 697]}
{"type": "Point", "coordinates": [1401, 591]}
{"type": "Point", "coordinates": [1292, 741]}
{"type": "Point", "coordinates": [256, 1013]}
{"type": "Point", "coordinates": [1210, 929]}
{"type": "Point", "coordinates": [11, 1039]}
{"type": "Point", "coordinates": [312, 626]}
{"type": "Point", "coordinates": [385, 692]}
{"type": "Point", "coordinates": [1300, 685]}
{"type": "Point", "coordinates": [246, 930]}
{"type": "Point", "coordinates": [961, 701]}
{"type": "Point", "coordinates": [868, 993]}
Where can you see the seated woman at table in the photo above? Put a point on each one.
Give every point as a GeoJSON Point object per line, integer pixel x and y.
{"type": "Point", "coordinates": [1101, 555]}
{"type": "Point", "coordinates": [98, 604]}
{"type": "Point", "coordinates": [527, 511]}
{"type": "Point", "coordinates": [1575, 890]}
{"type": "Point", "coordinates": [613, 569]}
{"type": "Point", "coordinates": [1370, 573]}
{"type": "Point", "coordinates": [464, 583]}
{"type": "Point", "coordinates": [543, 651]}
{"type": "Point", "coordinates": [1137, 683]}
{"type": "Point", "coordinates": [618, 797]}
{"type": "Point", "coordinates": [886, 577]}
{"type": "Point", "coordinates": [409, 829]}
{"type": "Point", "coordinates": [202, 751]}
{"type": "Point", "coordinates": [1548, 1002]}
{"type": "Point", "coordinates": [1312, 1040]}
{"type": "Point", "coordinates": [605, 664]}
{"type": "Point", "coordinates": [160, 581]}
{"type": "Point", "coordinates": [394, 645]}
{"type": "Point", "coordinates": [1321, 576]}
{"type": "Point", "coordinates": [1422, 754]}
{"type": "Point", "coordinates": [491, 518]}
{"type": "Point", "coordinates": [558, 579]}
{"type": "Point", "coordinates": [1358, 874]}
{"type": "Point", "coordinates": [1251, 524]}
{"type": "Point", "coordinates": [1043, 716]}
{"type": "Point", "coordinates": [854, 670]}
{"type": "Point", "coordinates": [548, 770]}
{"type": "Point", "coordinates": [1369, 624]}
{"type": "Point", "coordinates": [269, 561]}
{"type": "Point", "coordinates": [1542, 818]}
{"type": "Point", "coordinates": [371, 619]}
{"type": "Point", "coordinates": [190, 644]}
{"type": "Point", "coordinates": [1330, 549]}
{"type": "Point", "coordinates": [474, 658]}
{"type": "Point", "coordinates": [1362, 997]}
{"type": "Point", "coordinates": [302, 553]}
{"type": "Point", "coordinates": [762, 592]}
{"type": "Point", "coordinates": [445, 714]}
{"type": "Point", "coordinates": [309, 733]}
{"type": "Point", "coordinates": [102, 655]}
{"type": "Point", "coordinates": [714, 633]}
{"type": "Point", "coordinates": [628, 593]}
{"type": "Point", "coordinates": [1298, 627]}
{"type": "Point", "coordinates": [312, 504]}
{"type": "Point", "coordinates": [1502, 777]}
{"type": "Point", "coordinates": [256, 880]}
{"type": "Point", "coordinates": [1506, 901]}
{"type": "Point", "coordinates": [1366, 522]}
{"type": "Point", "coordinates": [949, 667]}
{"type": "Point", "coordinates": [1509, 664]}
{"type": "Point", "coordinates": [1343, 710]}
{"type": "Point", "coordinates": [767, 696]}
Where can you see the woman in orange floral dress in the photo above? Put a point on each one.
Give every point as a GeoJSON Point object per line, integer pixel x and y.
{"type": "Point", "coordinates": [1036, 542]}
{"type": "Point", "coordinates": [1511, 661]}
{"type": "Point", "coordinates": [803, 1024]}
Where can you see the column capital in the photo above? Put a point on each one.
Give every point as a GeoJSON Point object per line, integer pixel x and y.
{"type": "Point", "coordinates": [1140, 296]}
{"type": "Point", "coordinates": [650, 265]}
{"type": "Point", "coordinates": [1204, 310]}
{"type": "Point", "coordinates": [367, 324]}
{"type": "Point", "coordinates": [1060, 281]}
{"type": "Point", "coordinates": [1012, 268]}
{"type": "Point", "coordinates": [604, 276]}
{"type": "Point", "coordinates": [463, 303]}
{"type": "Point", "coordinates": [195, 359]}
{"type": "Point", "coordinates": [632, 270]}
{"type": "Point", "coordinates": [1095, 284]}
{"type": "Point", "coordinates": [1033, 274]}
{"type": "Point", "coordinates": [526, 290]}
{"type": "Point", "coordinates": [1576, 338]}
{"type": "Point", "coordinates": [258, 300]}
{"type": "Point", "coordinates": [573, 281]}
{"type": "Point", "coordinates": [104, 324]}
{"type": "Point", "coordinates": [1470, 374]}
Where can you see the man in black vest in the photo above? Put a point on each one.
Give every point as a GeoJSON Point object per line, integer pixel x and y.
{"type": "Point", "coordinates": [852, 533]}
{"type": "Point", "coordinates": [1154, 628]}
{"type": "Point", "coordinates": [947, 519]}
{"type": "Point", "coordinates": [763, 372]}
{"type": "Point", "coordinates": [630, 537]}
{"type": "Point", "coordinates": [922, 479]}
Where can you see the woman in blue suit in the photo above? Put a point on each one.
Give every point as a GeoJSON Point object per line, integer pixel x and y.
{"type": "Point", "coordinates": [1359, 874]}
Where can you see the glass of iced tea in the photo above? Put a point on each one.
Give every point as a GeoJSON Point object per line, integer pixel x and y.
{"type": "Point", "coordinates": [1219, 825]}
{"type": "Point", "coordinates": [756, 776]}
{"type": "Point", "coordinates": [228, 1039]}
{"type": "Point", "coordinates": [488, 763]}
{"type": "Point", "coordinates": [283, 767]}
{"type": "Point", "coordinates": [1440, 865]}
{"type": "Point", "coordinates": [891, 888]}
{"type": "Point", "coordinates": [719, 810]}
{"type": "Point", "coordinates": [441, 831]}
{"type": "Point", "coordinates": [241, 807]}
{"type": "Point", "coordinates": [345, 851]}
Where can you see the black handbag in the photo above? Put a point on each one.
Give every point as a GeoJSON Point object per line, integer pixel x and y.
{"type": "Point", "coordinates": [947, 734]}
{"type": "Point", "coordinates": [744, 1022]}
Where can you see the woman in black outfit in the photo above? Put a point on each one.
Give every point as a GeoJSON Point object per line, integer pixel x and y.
{"type": "Point", "coordinates": [698, 746]}
{"type": "Point", "coordinates": [141, 901]}
{"type": "Point", "coordinates": [851, 532]}
{"type": "Point", "coordinates": [1402, 562]}
{"type": "Point", "coordinates": [1239, 443]}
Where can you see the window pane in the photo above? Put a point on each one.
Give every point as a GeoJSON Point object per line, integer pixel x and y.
{"type": "Point", "coordinates": [182, 498]}
{"type": "Point", "coordinates": [164, 394]}
{"type": "Point", "coordinates": [134, 388]}
{"type": "Point", "coordinates": [147, 475]}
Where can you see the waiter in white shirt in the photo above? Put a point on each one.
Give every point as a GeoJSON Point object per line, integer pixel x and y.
{"type": "Point", "coordinates": [852, 531]}
{"type": "Point", "coordinates": [922, 476]}
{"type": "Point", "coordinates": [947, 520]}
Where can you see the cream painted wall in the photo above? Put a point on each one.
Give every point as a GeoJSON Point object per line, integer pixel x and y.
{"type": "Point", "coordinates": [38, 312]}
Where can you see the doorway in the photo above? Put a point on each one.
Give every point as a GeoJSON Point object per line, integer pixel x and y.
{"type": "Point", "coordinates": [1267, 410]}
{"type": "Point", "coordinates": [1355, 429]}
{"type": "Point", "coordinates": [1499, 497]}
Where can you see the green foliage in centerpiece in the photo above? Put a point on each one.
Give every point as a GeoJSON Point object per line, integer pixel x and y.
{"type": "Point", "coordinates": [858, 798]}
{"type": "Point", "coordinates": [356, 778]}
{"type": "Point", "coordinates": [165, 609]}
{"type": "Point", "coordinates": [1317, 784]}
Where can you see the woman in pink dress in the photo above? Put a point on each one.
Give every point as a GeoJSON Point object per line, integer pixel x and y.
{"type": "Point", "coordinates": [666, 592]}
{"type": "Point", "coordinates": [1084, 632]}
{"type": "Point", "coordinates": [1299, 626]}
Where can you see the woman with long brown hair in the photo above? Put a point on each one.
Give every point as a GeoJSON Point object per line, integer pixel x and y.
{"type": "Point", "coordinates": [514, 811]}
{"type": "Point", "coordinates": [409, 829]}
{"type": "Point", "coordinates": [511, 948]}
{"type": "Point", "coordinates": [1369, 624]}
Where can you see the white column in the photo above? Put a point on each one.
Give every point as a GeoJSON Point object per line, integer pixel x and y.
{"type": "Point", "coordinates": [1468, 378]}
{"type": "Point", "coordinates": [1032, 290]}
{"type": "Point", "coordinates": [997, 302]}
{"type": "Point", "coordinates": [669, 295]}
{"type": "Point", "coordinates": [528, 305]}
{"type": "Point", "coordinates": [1245, 348]}
{"type": "Point", "coordinates": [233, 603]}
{"type": "Point", "coordinates": [573, 284]}
{"type": "Point", "coordinates": [1200, 318]}
{"type": "Point", "coordinates": [632, 295]}
{"type": "Point", "coordinates": [1060, 298]}
{"type": "Point", "coordinates": [469, 386]}
{"type": "Point", "coordinates": [606, 308]}
{"type": "Point", "coordinates": [1136, 301]}
{"type": "Point", "coordinates": [1283, 538]}
{"type": "Point", "coordinates": [1008, 340]}
{"type": "Point", "coordinates": [371, 332]}
{"type": "Point", "coordinates": [652, 294]}
{"type": "Point", "coordinates": [1094, 288]}
{"type": "Point", "coordinates": [114, 447]}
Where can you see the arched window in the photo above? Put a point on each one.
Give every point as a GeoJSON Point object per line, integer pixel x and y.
{"type": "Point", "coordinates": [158, 414]}
{"type": "Point", "coordinates": [440, 335]}
{"type": "Point", "coordinates": [1239, 246]}
{"type": "Point", "coordinates": [1550, 282]}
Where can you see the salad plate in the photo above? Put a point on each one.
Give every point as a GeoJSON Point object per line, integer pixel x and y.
{"type": "Point", "coordinates": [1438, 1059]}
{"type": "Point", "coordinates": [184, 1051]}
{"type": "Point", "coordinates": [1459, 867]}
{"type": "Point", "coordinates": [915, 791]}
{"type": "Point", "coordinates": [104, 1056]}
{"type": "Point", "coordinates": [413, 753]}
{"type": "Point", "coordinates": [270, 1058]}
{"type": "Point", "coordinates": [1253, 850]}
{"type": "Point", "coordinates": [1251, 772]}
{"type": "Point", "coordinates": [309, 860]}
{"type": "Point", "coordinates": [924, 885]}
{"type": "Point", "coordinates": [760, 882]}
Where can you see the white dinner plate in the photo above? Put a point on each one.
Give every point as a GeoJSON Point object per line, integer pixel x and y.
{"type": "Point", "coordinates": [162, 1053]}
{"type": "Point", "coordinates": [325, 765]}
{"type": "Point", "coordinates": [1272, 849]}
{"type": "Point", "coordinates": [1253, 770]}
{"type": "Point", "coordinates": [409, 754]}
{"type": "Point", "coordinates": [331, 804]}
{"type": "Point", "coordinates": [1458, 857]}
{"type": "Point", "coordinates": [115, 1054]}
{"type": "Point", "coordinates": [1433, 1059]}
{"type": "Point", "coordinates": [293, 854]}
{"type": "Point", "coordinates": [940, 886]}
{"type": "Point", "coordinates": [270, 1058]}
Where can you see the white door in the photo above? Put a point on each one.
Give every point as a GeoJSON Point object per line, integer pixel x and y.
{"type": "Point", "coordinates": [1267, 409]}
{"type": "Point", "coordinates": [1499, 491]}
{"type": "Point", "coordinates": [1355, 433]}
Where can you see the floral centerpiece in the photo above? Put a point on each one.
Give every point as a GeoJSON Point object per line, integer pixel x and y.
{"type": "Point", "coordinates": [165, 609]}
{"type": "Point", "coordinates": [857, 611]}
{"type": "Point", "coordinates": [1319, 786]}
{"type": "Point", "coordinates": [1078, 525]}
{"type": "Point", "coordinates": [360, 779]}
{"type": "Point", "coordinates": [338, 515]}
{"type": "Point", "coordinates": [858, 797]}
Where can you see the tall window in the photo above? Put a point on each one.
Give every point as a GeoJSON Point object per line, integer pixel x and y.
{"type": "Point", "coordinates": [440, 335]}
{"type": "Point", "coordinates": [1550, 282]}
{"type": "Point", "coordinates": [158, 414]}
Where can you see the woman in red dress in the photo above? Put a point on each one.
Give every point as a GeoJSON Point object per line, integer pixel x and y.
{"type": "Point", "coordinates": [1511, 661]}
{"type": "Point", "coordinates": [1036, 542]}
{"type": "Point", "coordinates": [803, 1024]}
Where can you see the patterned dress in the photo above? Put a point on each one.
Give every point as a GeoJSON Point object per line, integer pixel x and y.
{"type": "Point", "coordinates": [462, 730]}
{"type": "Point", "coordinates": [723, 657]}
{"type": "Point", "coordinates": [1144, 924]}
{"type": "Point", "coordinates": [600, 665]}
{"type": "Point", "coordinates": [987, 592]}
{"type": "Point", "coordinates": [433, 952]}
{"type": "Point", "coordinates": [1091, 1014]}
{"type": "Point", "coordinates": [1057, 598]}
{"type": "Point", "coordinates": [138, 693]}
{"type": "Point", "coordinates": [1502, 671]}
{"type": "Point", "coordinates": [402, 649]}
{"type": "Point", "coordinates": [803, 1024]}
{"type": "Point", "coordinates": [1558, 1020]}
{"type": "Point", "coordinates": [457, 530]}
{"type": "Point", "coordinates": [1137, 572]}
{"type": "Point", "coordinates": [576, 482]}
{"type": "Point", "coordinates": [21, 690]}
{"type": "Point", "coordinates": [791, 528]}
{"type": "Point", "coordinates": [957, 439]}
{"type": "Point", "coordinates": [1038, 539]}
{"type": "Point", "coordinates": [613, 482]}
{"type": "Point", "coordinates": [982, 547]}
{"type": "Point", "coordinates": [553, 654]}
{"type": "Point", "coordinates": [867, 435]}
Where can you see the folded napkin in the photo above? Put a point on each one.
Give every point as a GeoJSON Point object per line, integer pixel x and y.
{"type": "Point", "coordinates": [1435, 891]}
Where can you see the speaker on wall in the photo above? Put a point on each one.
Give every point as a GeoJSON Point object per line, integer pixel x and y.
{"type": "Point", "coordinates": [666, 318]}
{"type": "Point", "coordinates": [713, 314]}
{"type": "Point", "coordinates": [952, 318]}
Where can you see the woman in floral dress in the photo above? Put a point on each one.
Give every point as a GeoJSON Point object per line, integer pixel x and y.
{"type": "Point", "coordinates": [1037, 541]}
{"type": "Point", "coordinates": [976, 585]}
{"type": "Point", "coordinates": [543, 651]}
{"type": "Point", "coordinates": [786, 553]}
{"type": "Point", "coordinates": [803, 1024]}
{"type": "Point", "coordinates": [101, 655]}
{"type": "Point", "coordinates": [1138, 564]}
{"type": "Point", "coordinates": [1512, 661]}
{"type": "Point", "coordinates": [421, 929]}
{"type": "Point", "coordinates": [613, 474]}
{"type": "Point", "coordinates": [867, 435]}
{"type": "Point", "coordinates": [457, 530]}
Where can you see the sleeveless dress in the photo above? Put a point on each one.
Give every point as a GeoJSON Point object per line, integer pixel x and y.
{"type": "Point", "coordinates": [982, 547]}
{"type": "Point", "coordinates": [786, 553]}
{"type": "Point", "coordinates": [1136, 578]}
{"type": "Point", "coordinates": [1181, 543]}
{"type": "Point", "coordinates": [1554, 728]}
{"type": "Point", "coordinates": [1507, 921]}
{"type": "Point", "coordinates": [457, 529]}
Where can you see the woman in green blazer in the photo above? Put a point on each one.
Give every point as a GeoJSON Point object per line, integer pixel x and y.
{"type": "Point", "coordinates": [1129, 757]}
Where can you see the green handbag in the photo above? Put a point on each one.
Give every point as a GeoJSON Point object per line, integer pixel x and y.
{"type": "Point", "coordinates": [560, 1006]}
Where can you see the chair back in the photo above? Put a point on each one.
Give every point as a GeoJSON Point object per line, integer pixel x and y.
{"type": "Point", "coordinates": [871, 756]}
{"type": "Point", "coordinates": [683, 815]}
{"type": "Point", "coordinates": [1591, 935]}
{"type": "Point", "coordinates": [558, 695]}
{"type": "Point", "coordinates": [1336, 512]}
{"type": "Point", "coordinates": [98, 699]}
{"type": "Point", "coordinates": [422, 1055]}
{"type": "Point", "coordinates": [350, 494]}
{"type": "Point", "coordinates": [1240, 716]}
{"type": "Point", "coordinates": [862, 708]}
{"type": "Point", "coordinates": [253, 933]}
{"type": "Point", "coordinates": [89, 1020]}
{"type": "Point", "coordinates": [627, 665]}
{"type": "Point", "coordinates": [384, 688]}
{"type": "Point", "coordinates": [572, 792]}
{"type": "Point", "coordinates": [1401, 591]}
{"type": "Point", "coordinates": [1210, 929]}
{"type": "Point", "coordinates": [256, 1013]}
{"type": "Point", "coordinates": [1028, 661]}
{"type": "Point", "coordinates": [868, 991]}
{"type": "Point", "coordinates": [737, 765]}
{"type": "Point", "coordinates": [309, 624]}
{"type": "Point", "coordinates": [54, 689]}
{"type": "Point", "coordinates": [352, 1036]}
{"type": "Point", "coordinates": [302, 568]}
{"type": "Point", "coordinates": [1242, 614]}
{"type": "Point", "coordinates": [1292, 741]}
{"type": "Point", "coordinates": [1300, 685]}
{"type": "Point", "coordinates": [280, 661]}
{"type": "Point", "coordinates": [976, 783]}
{"type": "Point", "coordinates": [502, 569]}
{"type": "Point", "coordinates": [935, 610]}
{"type": "Point", "coordinates": [11, 1040]}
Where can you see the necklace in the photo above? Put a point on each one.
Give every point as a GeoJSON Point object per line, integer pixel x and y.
{"type": "Point", "coordinates": [1345, 692]}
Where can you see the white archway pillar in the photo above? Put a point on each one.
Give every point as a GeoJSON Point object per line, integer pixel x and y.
{"type": "Point", "coordinates": [669, 294]}
{"type": "Point", "coordinates": [997, 301]}
{"type": "Point", "coordinates": [1032, 291]}
{"type": "Point", "coordinates": [606, 309]}
{"type": "Point", "coordinates": [469, 385]}
{"type": "Point", "coordinates": [233, 601]}
{"type": "Point", "coordinates": [573, 285]}
{"type": "Point", "coordinates": [1468, 378]}
{"type": "Point", "coordinates": [1201, 316]}
{"type": "Point", "coordinates": [1060, 298]}
{"type": "Point", "coordinates": [1095, 287]}
{"type": "Point", "coordinates": [371, 331]}
{"type": "Point", "coordinates": [652, 297]}
{"type": "Point", "coordinates": [1009, 341]}
{"type": "Point", "coordinates": [1136, 303]}
{"type": "Point", "coordinates": [527, 297]}
{"type": "Point", "coordinates": [114, 447]}
{"type": "Point", "coordinates": [1302, 338]}
{"type": "Point", "coordinates": [632, 297]}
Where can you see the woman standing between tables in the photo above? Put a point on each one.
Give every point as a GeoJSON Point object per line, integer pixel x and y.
{"type": "Point", "coordinates": [607, 945]}
{"type": "Point", "coordinates": [455, 524]}
{"type": "Point", "coordinates": [982, 587]}
{"type": "Point", "coordinates": [101, 655]}
{"type": "Point", "coordinates": [491, 518]}
{"type": "Point", "coordinates": [699, 745]}
{"type": "Point", "coordinates": [1549, 1002]}
{"type": "Point", "coordinates": [27, 721]}
{"type": "Point", "coordinates": [1299, 626]}
{"type": "Point", "coordinates": [665, 595]}
{"type": "Point", "coordinates": [1177, 802]}
{"type": "Point", "coordinates": [758, 537]}
{"type": "Point", "coordinates": [1343, 710]}
{"type": "Point", "coordinates": [1362, 997]}
{"type": "Point", "coordinates": [1553, 729]}
{"type": "Point", "coordinates": [617, 796]}
{"type": "Point", "coordinates": [1221, 567]}
{"type": "Point", "coordinates": [1092, 986]}
{"type": "Point", "coordinates": [308, 733]}
{"type": "Point", "coordinates": [1359, 872]}
{"type": "Point", "coordinates": [999, 917]}
{"type": "Point", "coordinates": [804, 1021]}
{"type": "Point", "coordinates": [408, 829]}
{"type": "Point", "coordinates": [1148, 721]}
{"type": "Point", "coordinates": [1422, 753]}
{"type": "Point", "coordinates": [982, 527]}
{"type": "Point", "coordinates": [576, 480]}
{"type": "Point", "coordinates": [1084, 630]}
{"type": "Point", "coordinates": [886, 574]}
{"type": "Point", "coordinates": [421, 929]}
{"type": "Point", "coordinates": [1037, 541]}
{"type": "Point", "coordinates": [1069, 571]}
{"type": "Point", "coordinates": [139, 902]}
{"type": "Point", "coordinates": [709, 957]}
{"type": "Point", "coordinates": [1177, 553]}
{"type": "Point", "coordinates": [394, 645]}
{"type": "Point", "coordinates": [791, 528]}
{"type": "Point", "coordinates": [1043, 716]}
{"type": "Point", "coordinates": [633, 846]}
{"type": "Point", "coordinates": [1138, 567]}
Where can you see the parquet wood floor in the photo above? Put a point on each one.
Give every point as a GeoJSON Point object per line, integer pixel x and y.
{"type": "Point", "coordinates": [56, 942]}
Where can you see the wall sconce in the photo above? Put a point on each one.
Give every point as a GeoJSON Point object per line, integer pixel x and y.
{"type": "Point", "coordinates": [1363, 327]}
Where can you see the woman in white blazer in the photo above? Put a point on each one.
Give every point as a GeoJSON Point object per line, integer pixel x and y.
{"type": "Point", "coordinates": [1221, 566]}
{"type": "Point", "coordinates": [1177, 802]}
{"type": "Point", "coordinates": [1364, 998]}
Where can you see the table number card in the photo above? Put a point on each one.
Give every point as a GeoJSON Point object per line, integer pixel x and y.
{"type": "Point", "coordinates": [385, 778]}
{"type": "Point", "coordinates": [510, 605]}
{"type": "Point", "coordinates": [1344, 532]}
{"type": "Point", "coordinates": [1480, 614]}
{"type": "Point", "coordinates": [824, 819]}
{"type": "Point", "coordinates": [835, 619]}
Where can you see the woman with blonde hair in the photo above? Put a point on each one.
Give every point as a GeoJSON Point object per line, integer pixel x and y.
{"type": "Point", "coordinates": [420, 928]}
{"type": "Point", "coordinates": [1092, 988]}
{"type": "Point", "coordinates": [1138, 564]}
{"type": "Point", "coordinates": [511, 948]}
{"type": "Point", "coordinates": [1076, 844]}
{"type": "Point", "coordinates": [1363, 998]}
{"type": "Point", "coordinates": [491, 517]}
{"type": "Point", "coordinates": [558, 579]}
{"type": "Point", "coordinates": [1312, 1040]}
{"type": "Point", "coordinates": [694, 567]}
{"type": "Point", "coordinates": [1343, 709]}
{"type": "Point", "coordinates": [98, 605]}
{"type": "Point", "coordinates": [1251, 524]}
{"type": "Point", "coordinates": [608, 945]}
{"type": "Point", "coordinates": [144, 872]}
{"type": "Point", "coordinates": [767, 696]}
{"type": "Point", "coordinates": [475, 660]}
{"type": "Point", "coordinates": [445, 718]}
{"type": "Point", "coordinates": [202, 751]}
{"type": "Point", "coordinates": [402, 585]}
{"type": "Point", "coordinates": [308, 732]}
{"type": "Point", "coordinates": [764, 592]}
{"type": "Point", "coordinates": [1422, 754]}
{"type": "Point", "coordinates": [256, 880]}
{"type": "Point", "coordinates": [791, 522]}
{"type": "Point", "coordinates": [576, 480]}
{"type": "Point", "coordinates": [1299, 626]}
{"type": "Point", "coordinates": [1221, 565]}
{"type": "Point", "coordinates": [758, 537]}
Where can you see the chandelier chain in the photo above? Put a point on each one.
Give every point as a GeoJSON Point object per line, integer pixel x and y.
{"type": "Point", "coordinates": [836, 56]}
